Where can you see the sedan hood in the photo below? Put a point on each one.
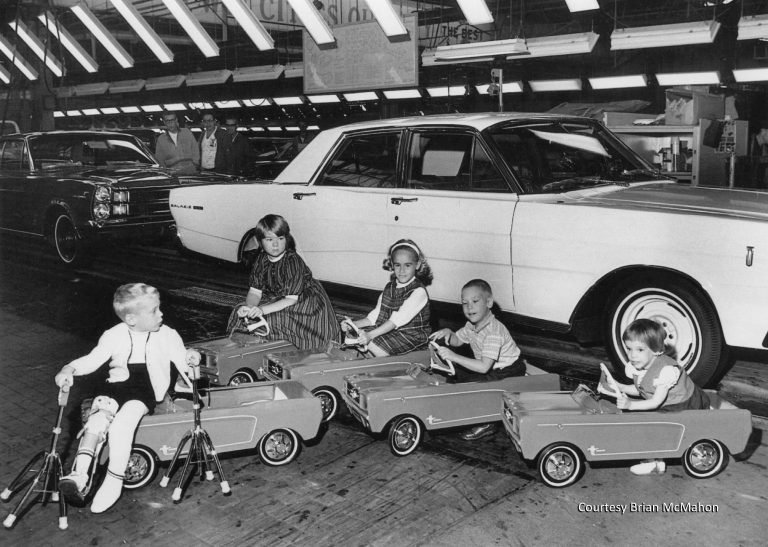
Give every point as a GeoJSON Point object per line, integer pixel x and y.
{"type": "Point", "coordinates": [123, 176]}
{"type": "Point", "coordinates": [743, 204]}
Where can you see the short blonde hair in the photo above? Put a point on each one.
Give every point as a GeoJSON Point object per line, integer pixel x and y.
{"type": "Point", "coordinates": [126, 296]}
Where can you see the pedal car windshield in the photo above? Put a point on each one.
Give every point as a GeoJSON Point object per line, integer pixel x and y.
{"type": "Point", "coordinates": [591, 402]}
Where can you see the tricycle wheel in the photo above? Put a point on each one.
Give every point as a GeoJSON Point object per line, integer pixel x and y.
{"type": "Point", "coordinates": [278, 447]}
{"type": "Point", "coordinates": [241, 377]}
{"type": "Point", "coordinates": [560, 465]}
{"type": "Point", "coordinates": [404, 435]}
{"type": "Point", "coordinates": [705, 458]}
{"type": "Point", "coordinates": [141, 468]}
{"type": "Point", "coordinates": [328, 401]}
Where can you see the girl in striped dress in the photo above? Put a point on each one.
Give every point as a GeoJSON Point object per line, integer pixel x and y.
{"type": "Point", "coordinates": [400, 320]}
{"type": "Point", "coordinates": [283, 290]}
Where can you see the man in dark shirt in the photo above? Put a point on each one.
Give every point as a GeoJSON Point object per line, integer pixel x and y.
{"type": "Point", "coordinates": [236, 148]}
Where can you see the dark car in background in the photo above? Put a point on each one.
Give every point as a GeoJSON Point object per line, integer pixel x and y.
{"type": "Point", "coordinates": [74, 188]}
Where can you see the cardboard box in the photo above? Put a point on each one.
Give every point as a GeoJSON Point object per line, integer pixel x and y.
{"type": "Point", "coordinates": [686, 107]}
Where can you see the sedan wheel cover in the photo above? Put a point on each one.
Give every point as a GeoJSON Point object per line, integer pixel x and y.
{"type": "Point", "coordinates": [66, 239]}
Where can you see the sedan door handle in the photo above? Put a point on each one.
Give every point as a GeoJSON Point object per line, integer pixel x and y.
{"type": "Point", "coordinates": [399, 200]}
{"type": "Point", "coordinates": [301, 195]}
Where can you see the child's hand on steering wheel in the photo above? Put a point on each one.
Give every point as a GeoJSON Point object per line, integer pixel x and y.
{"type": "Point", "coordinates": [445, 353]}
{"type": "Point", "coordinates": [251, 313]}
{"type": "Point", "coordinates": [442, 334]}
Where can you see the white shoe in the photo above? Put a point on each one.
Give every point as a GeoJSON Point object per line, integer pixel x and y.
{"type": "Point", "coordinates": [108, 493]}
{"type": "Point", "coordinates": [74, 486]}
{"type": "Point", "coordinates": [649, 467]}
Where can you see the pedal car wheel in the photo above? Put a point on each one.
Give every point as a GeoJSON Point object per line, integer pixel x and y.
{"type": "Point", "coordinates": [329, 402]}
{"type": "Point", "coordinates": [141, 468]}
{"type": "Point", "coordinates": [241, 377]}
{"type": "Point", "coordinates": [560, 465]}
{"type": "Point", "coordinates": [405, 435]}
{"type": "Point", "coordinates": [278, 447]}
{"type": "Point", "coordinates": [705, 458]}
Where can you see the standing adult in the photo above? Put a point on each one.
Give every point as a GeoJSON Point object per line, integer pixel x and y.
{"type": "Point", "coordinates": [303, 138]}
{"type": "Point", "coordinates": [236, 148]}
{"type": "Point", "coordinates": [211, 145]}
{"type": "Point", "coordinates": [177, 148]}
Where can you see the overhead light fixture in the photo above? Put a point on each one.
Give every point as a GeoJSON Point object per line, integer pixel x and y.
{"type": "Point", "coordinates": [476, 12]}
{"type": "Point", "coordinates": [193, 27]}
{"type": "Point", "coordinates": [64, 91]}
{"type": "Point", "coordinates": [99, 88]}
{"type": "Point", "coordinates": [152, 108]}
{"type": "Point", "coordinates": [257, 73]}
{"type": "Point", "coordinates": [447, 91]}
{"type": "Point", "coordinates": [37, 47]}
{"type": "Point", "coordinates": [294, 70]}
{"type": "Point", "coordinates": [285, 101]}
{"type": "Point", "coordinates": [142, 28]}
{"type": "Point", "coordinates": [688, 78]}
{"type": "Point", "coordinates": [100, 32]}
{"type": "Point", "coordinates": [127, 86]}
{"type": "Point", "coordinates": [402, 94]}
{"type": "Point", "coordinates": [750, 75]}
{"type": "Point", "coordinates": [581, 5]}
{"type": "Point", "coordinates": [210, 77]}
{"type": "Point", "coordinates": [274, 128]}
{"type": "Point", "coordinates": [5, 75]}
{"type": "Point", "coordinates": [228, 104]}
{"type": "Point", "coordinates": [618, 82]}
{"type": "Point", "coordinates": [322, 99]}
{"type": "Point", "coordinates": [482, 50]}
{"type": "Point", "coordinates": [563, 44]}
{"type": "Point", "coordinates": [569, 84]}
{"type": "Point", "coordinates": [699, 32]}
{"type": "Point", "coordinates": [200, 106]}
{"type": "Point", "coordinates": [250, 24]}
{"type": "Point", "coordinates": [21, 63]}
{"type": "Point", "coordinates": [387, 17]}
{"type": "Point", "coordinates": [174, 107]}
{"type": "Point", "coordinates": [313, 21]}
{"type": "Point", "coordinates": [130, 109]}
{"type": "Point", "coordinates": [256, 102]}
{"type": "Point", "coordinates": [256, 128]}
{"type": "Point", "coordinates": [753, 27]}
{"type": "Point", "coordinates": [68, 41]}
{"type": "Point", "coordinates": [109, 110]}
{"type": "Point", "coordinates": [56, 113]}
{"type": "Point", "coordinates": [361, 96]}
{"type": "Point", "coordinates": [73, 113]}
{"type": "Point", "coordinates": [91, 111]}
{"type": "Point", "coordinates": [506, 87]}
{"type": "Point", "coordinates": [164, 82]}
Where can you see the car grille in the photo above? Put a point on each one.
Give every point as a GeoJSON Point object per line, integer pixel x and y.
{"type": "Point", "coordinates": [209, 362]}
{"type": "Point", "coordinates": [274, 368]}
{"type": "Point", "coordinates": [353, 392]}
{"type": "Point", "coordinates": [149, 203]}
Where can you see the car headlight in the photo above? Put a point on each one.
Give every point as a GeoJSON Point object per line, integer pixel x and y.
{"type": "Point", "coordinates": [101, 211]}
{"type": "Point", "coordinates": [102, 193]}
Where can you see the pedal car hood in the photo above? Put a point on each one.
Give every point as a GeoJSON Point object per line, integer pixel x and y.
{"type": "Point", "coordinates": [543, 402]}
{"type": "Point", "coordinates": [393, 380]}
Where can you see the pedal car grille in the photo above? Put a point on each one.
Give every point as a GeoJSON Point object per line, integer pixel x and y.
{"type": "Point", "coordinates": [274, 368]}
{"type": "Point", "coordinates": [209, 362]}
{"type": "Point", "coordinates": [353, 392]}
{"type": "Point", "coordinates": [509, 417]}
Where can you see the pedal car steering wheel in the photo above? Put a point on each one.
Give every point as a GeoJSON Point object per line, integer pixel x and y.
{"type": "Point", "coordinates": [352, 336]}
{"type": "Point", "coordinates": [438, 363]}
{"type": "Point", "coordinates": [257, 327]}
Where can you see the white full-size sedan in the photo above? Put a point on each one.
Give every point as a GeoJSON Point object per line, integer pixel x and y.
{"type": "Point", "coordinates": [573, 230]}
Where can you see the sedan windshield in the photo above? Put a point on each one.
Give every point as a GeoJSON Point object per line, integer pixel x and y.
{"type": "Point", "coordinates": [49, 151]}
{"type": "Point", "coordinates": [551, 157]}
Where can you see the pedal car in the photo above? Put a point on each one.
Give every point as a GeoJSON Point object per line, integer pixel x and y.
{"type": "Point", "coordinates": [422, 398]}
{"type": "Point", "coordinates": [562, 430]}
{"type": "Point", "coordinates": [273, 417]}
{"type": "Point", "coordinates": [323, 372]}
{"type": "Point", "coordinates": [236, 359]}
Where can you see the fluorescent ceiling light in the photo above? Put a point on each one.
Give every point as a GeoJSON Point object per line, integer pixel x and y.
{"type": "Point", "coordinates": [294, 70]}
{"type": "Point", "coordinates": [256, 102]}
{"type": "Point", "coordinates": [193, 27]}
{"type": "Point", "coordinates": [256, 128]}
{"type": "Point", "coordinates": [152, 108]}
{"type": "Point", "coordinates": [273, 128]}
{"type": "Point", "coordinates": [446, 91]}
{"type": "Point", "coordinates": [127, 86]}
{"type": "Point", "coordinates": [250, 24]}
{"type": "Point", "coordinates": [73, 113]}
{"type": "Point", "coordinates": [402, 94]}
{"type": "Point", "coordinates": [210, 77]}
{"type": "Point", "coordinates": [228, 104]}
{"type": "Point", "coordinates": [196, 129]}
{"type": "Point", "coordinates": [142, 28]}
{"type": "Point", "coordinates": [564, 44]}
{"type": "Point", "coordinates": [56, 113]}
{"type": "Point", "coordinates": [571, 84]}
{"type": "Point", "coordinates": [581, 5]}
{"type": "Point", "coordinates": [320, 99]}
{"type": "Point", "coordinates": [37, 47]}
{"type": "Point", "coordinates": [699, 32]}
{"type": "Point", "coordinates": [91, 111]}
{"type": "Point", "coordinates": [506, 87]}
{"type": "Point", "coordinates": [68, 41]}
{"type": "Point", "coordinates": [750, 75]}
{"type": "Point", "coordinates": [688, 78]}
{"type": "Point", "coordinates": [174, 107]}
{"type": "Point", "coordinates": [242, 129]}
{"type": "Point", "coordinates": [482, 50]}
{"type": "Point", "coordinates": [387, 17]}
{"type": "Point", "coordinates": [616, 82]}
{"type": "Point", "coordinates": [754, 27]}
{"type": "Point", "coordinates": [313, 21]}
{"type": "Point", "coordinates": [362, 96]}
{"type": "Point", "coordinates": [99, 88]}
{"type": "Point", "coordinates": [257, 73]}
{"type": "Point", "coordinates": [283, 101]}
{"type": "Point", "coordinates": [16, 59]}
{"type": "Point", "coordinates": [313, 128]}
{"type": "Point", "coordinates": [291, 128]}
{"type": "Point", "coordinates": [5, 76]}
{"type": "Point", "coordinates": [110, 110]}
{"type": "Point", "coordinates": [164, 82]}
{"type": "Point", "coordinates": [100, 32]}
{"type": "Point", "coordinates": [130, 109]}
{"type": "Point", "coordinates": [476, 12]}
{"type": "Point", "coordinates": [200, 106]}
